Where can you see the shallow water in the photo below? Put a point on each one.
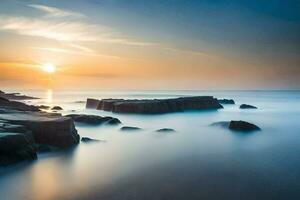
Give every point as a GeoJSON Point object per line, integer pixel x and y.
{"type": "Point", "coordinates": [198, 161]}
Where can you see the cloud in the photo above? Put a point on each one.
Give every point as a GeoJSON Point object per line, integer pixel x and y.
{"type": "Point", "coordinates": [76, 52]}
{"type": "Point", "coordinates": [56, 12]}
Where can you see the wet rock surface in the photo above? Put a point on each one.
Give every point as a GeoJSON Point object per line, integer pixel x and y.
{"type": "Point", "coordinates": [15, 96]}
{"type": "Point", "coordinates": [16, 105]}
{"type": "Point", "coordinates": [155, 106]}
{"type": "Point", "coordinates": [94, 119]}
{"type": "Point", "coordinates": [90, 140]}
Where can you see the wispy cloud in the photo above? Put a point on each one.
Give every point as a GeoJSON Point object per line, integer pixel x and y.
{"type": "Point", "coordinates": [56, 12]}
{"type": "Point", "coordinates": [76, 52]}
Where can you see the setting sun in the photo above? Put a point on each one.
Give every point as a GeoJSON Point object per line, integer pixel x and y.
{"type": "Point", "coordinates": [49, 68]}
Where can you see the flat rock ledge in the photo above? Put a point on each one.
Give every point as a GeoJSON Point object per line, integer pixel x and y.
{"type": "Point", "coordinates": [22, 134]}
{"type": "Point", "coordinates": [165, 130]}
{"type": "Point", "coordinates": [241, 126]}
{"type": "Point", "coordinates": [94, 119]}
{"type": "Point", "coordinates": [154, 106]}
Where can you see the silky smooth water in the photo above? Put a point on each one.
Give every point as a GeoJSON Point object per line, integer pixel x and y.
{"type": "Point", "coordinates": [198, 161]}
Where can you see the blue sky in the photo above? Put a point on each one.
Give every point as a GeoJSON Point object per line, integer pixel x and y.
{"type": "Point", "coordinates": [263, 33]}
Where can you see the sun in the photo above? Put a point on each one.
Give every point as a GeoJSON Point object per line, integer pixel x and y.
{"type": "Point", "coordinates": [49, 68]}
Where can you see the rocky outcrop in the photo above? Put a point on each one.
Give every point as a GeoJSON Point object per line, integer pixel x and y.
{"type": "Point", "coordinates": [130, 128]}
{"type": "Point", "coordinates": [242, 126]}
{"type": "Point", "coordinates": [94, 119]}
{"type": "Point", "coordinates": [16, 105]}
{"type": "Point", "coordinates": [165, 130]}
{"type": "Point", "coordinates": [246, 106]}
{"type": "Point", "coordinates": [46, 128]}
{"type": "Point", "coordinates": [15, 96]}
{"type": "Point", "coordinates": [154, 106]}
{"type": "Point", "coordinates": [226, 101]}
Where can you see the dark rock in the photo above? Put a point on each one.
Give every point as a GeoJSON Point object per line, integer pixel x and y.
{"type": "Point", "coordinates": [94, 119]}
{"type": "Point", "coordinates": [242, 126]}
{"type": "Point", "coordinates": [237, 126]}
{"type": "Point", "coordinates": [79, 101]}
{"type": "Point", "coordinates": [46, 128]}
{"type": "Point", "coordinates": [130, 128]}
{"type": "Point", "coordinates": [154, 106]}
{"type": "Point", "coordinates": [56, 108]}
{"type": "Point", "coordinates": [45, 148]}
{"type": "Point", "coordinates": [87, 140]}
{"type": "Point", "coordinates": [15, 96]}
{"type": "Point", "coordinates": [15, 105]}
{"type": "Point", "coordinates": [43, 107]}
{"type": "Point", "coordinates": [246, 106]}
{"type": "Point", "coordinates": [165, 130]}
{"type": "Point", "coordinates": [16, 147]}
{"type": "Point", "coordinates": [226, 101]}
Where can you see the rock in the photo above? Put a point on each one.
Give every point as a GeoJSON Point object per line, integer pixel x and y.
{"type": "Point", "coordinates": [15, 96]}
{"type": "Point", "coordinates": [130, 128]}
{"type": "Point", "coordinates": [87, 140]}
{"type": "Point", "coordinates": [45, 148]}
{"type": "Point", "coordinates": [226, 101]}
{"type": "Point", "coordinates": [154, 106]}
{"type": "Point", "coordinates": [43, 107]}
{"type": "Point", "coordinates": [56, 108]}
{"type": "Point", "coordinates": [15, 105]}
{"type": "Point", "coordinates": [242, 126]}
{"type": "Point", "coordinates": [46, 128]}
{"type": "Point", "coordinates": [246, 106]}
{"type": "Point", "coordinates": [237, 126]}
{"type": "Point", "coordinates": [79, 101]}
{"type": "Point", "coordinates": [165, 130]}
{"type": "Point", "coordinates": [94, 119]}
{"type": "Point", "coordinates": [16, 147]}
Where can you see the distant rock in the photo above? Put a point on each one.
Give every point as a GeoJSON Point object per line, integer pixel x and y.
{"type": "Point", "coordinates": [246, 106]}
{"type": "Point", "coordinates": [88, 140]}
{"type": "Point", "coordinates": [79, 101]}
{"type": "Point", "coordinates": [154, 106]}
{"type": "Point", "coordinates": [242, 126]}
{"type": "Point", "coordinates": [94, 119]}
{"type": "Point", "coordinates": [165, 130]}
{"type": "Point", "coordinates": [56, 108]}
{"type": "Point", "coordinates": [226, 101]}
{"type": "Point", "coordinates": [15, 96]}
{"type": "Point", "coordinates": [16, 105]}
{"type": "Point", "coordinates": [43, 107]}
{"type": "Point", "coordinates": [130, 128]}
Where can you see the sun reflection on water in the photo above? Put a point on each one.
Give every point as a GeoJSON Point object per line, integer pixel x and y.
{"type": "Point", "coordinates": [49, 96]}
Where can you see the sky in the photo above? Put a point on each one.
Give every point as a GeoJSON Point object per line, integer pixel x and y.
{"type": "Point", "coordinates": [150, 44]}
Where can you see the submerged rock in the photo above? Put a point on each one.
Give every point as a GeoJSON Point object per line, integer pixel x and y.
{"type": "Point", "coordinates": [165, 130]}
{"type": "Point", "coordinates": [154, 106]}
{"type": "Point", "coordinates": [130, 128]}
{"type": "Point", "coordinates": [226, 101]}
{"type": "Point", "coordinates": [88, 140]}
{"type": "Point", "coordinates": [246, 106]}
{"type": "Point", "coordinates": [238, 126]}
{"type": "Point", "coordinates": [243, 126]}
{"type": "Point", "coordinates": [43, 107]}
{"type": "Point", "coordinates": [94, 119]}
{"type": "Point", "coordinates": [56, 108]}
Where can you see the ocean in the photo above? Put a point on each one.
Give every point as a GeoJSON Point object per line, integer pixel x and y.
{"type": "Point", "coordinates": [198, 161]}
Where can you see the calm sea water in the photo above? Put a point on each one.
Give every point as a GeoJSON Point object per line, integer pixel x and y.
{"type": "Point", "coordinates": [198, 161]}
